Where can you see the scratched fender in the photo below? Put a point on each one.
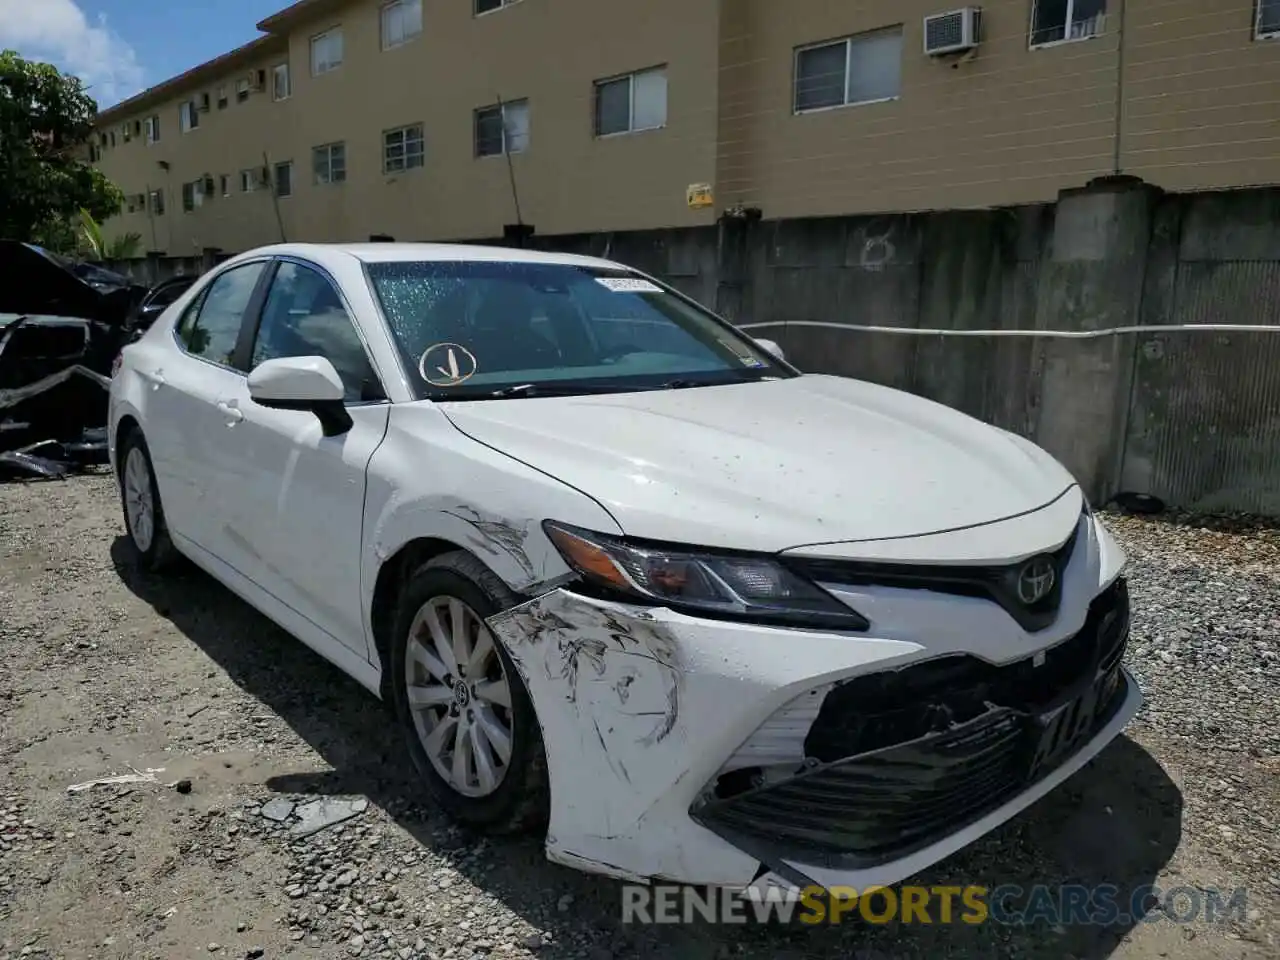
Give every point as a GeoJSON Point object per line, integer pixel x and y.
{"type": "Point", "coordinates": [639, 707]}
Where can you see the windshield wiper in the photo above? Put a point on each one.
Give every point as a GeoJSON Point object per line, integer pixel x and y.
{"type": "Point", "coordinates": [547, 390]}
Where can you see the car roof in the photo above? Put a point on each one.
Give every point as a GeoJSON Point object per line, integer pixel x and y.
{"type": "Point", "coordinates": [393, 252]}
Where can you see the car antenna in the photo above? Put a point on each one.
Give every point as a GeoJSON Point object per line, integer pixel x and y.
{"type": "Point", "coordinates": [511, 169]}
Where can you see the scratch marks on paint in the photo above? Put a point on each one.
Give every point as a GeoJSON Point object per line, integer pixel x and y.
{"type": "Point", "coordinates": [498, 536]}
{"type": "Point", "coordinates": [631, 654]}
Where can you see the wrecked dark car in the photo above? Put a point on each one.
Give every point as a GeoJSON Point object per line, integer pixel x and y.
{"type": "Point", "coordinates": [61, 326]}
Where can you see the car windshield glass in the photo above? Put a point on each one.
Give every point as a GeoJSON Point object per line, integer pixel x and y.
{"type": "Point", "coordinates": [486, 329]}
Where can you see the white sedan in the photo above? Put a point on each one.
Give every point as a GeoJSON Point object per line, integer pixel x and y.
{"type": "Point", "coordinates": [624, 574]}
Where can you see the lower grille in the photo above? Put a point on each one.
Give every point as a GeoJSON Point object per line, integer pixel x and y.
{"type": "Point", "coordinates": [899, 760]}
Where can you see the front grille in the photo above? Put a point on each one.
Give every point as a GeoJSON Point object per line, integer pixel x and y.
{"type": "Point", "coordinates": [997, 583]}
{"type": "Point", "coordinates": [898, 760]}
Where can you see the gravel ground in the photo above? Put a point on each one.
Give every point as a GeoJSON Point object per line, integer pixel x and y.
{"type": "Point", "coordinates": [106, 672]}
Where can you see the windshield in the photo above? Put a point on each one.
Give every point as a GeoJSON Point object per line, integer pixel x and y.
{"type": "Point", "coordinates": [475, 329]}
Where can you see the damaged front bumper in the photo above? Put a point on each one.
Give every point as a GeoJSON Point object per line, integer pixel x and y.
{"type": "Point", "coordinates": [729, 754]}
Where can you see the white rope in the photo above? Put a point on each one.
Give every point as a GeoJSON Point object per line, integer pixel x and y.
{"type": "Point", "coordinates": [1060, 334]}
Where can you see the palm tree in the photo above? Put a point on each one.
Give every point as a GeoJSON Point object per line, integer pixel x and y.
{"type": "Point", "coordinates": [122, 247]}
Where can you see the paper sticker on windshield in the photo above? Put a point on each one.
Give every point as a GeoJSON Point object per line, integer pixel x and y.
{"type": "Point", "coordinates": [446, 364]}
{"type": "Point", "coordinates": [628, 285]}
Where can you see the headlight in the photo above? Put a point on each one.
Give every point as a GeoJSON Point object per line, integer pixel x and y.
{"type": "Point", "coordinates": [742, 586]}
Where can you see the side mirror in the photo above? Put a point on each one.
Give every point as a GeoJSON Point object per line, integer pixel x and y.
{"type": "Point", "coordinates": [770, 347]}
{"type": "Point", "coordinates": [302, 383]}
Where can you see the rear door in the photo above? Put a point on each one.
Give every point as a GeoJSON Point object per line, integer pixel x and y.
{"type": "Point", "coordinates": [299, 510]}
{"type": "Point", "coordinates": [186, 429]}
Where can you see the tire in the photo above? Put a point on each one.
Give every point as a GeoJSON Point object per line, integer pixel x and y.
{"type": "Point", "coordinates": [155, 552]}
{"type": "Point", "coordinates": [521, 799]}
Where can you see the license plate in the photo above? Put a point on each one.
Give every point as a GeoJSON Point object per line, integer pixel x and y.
{"type": "Point", "coordinates": [1064, 730]}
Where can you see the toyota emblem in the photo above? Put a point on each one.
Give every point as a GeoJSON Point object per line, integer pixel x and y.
{"type": "Point", "coordinates": [1035, 580]}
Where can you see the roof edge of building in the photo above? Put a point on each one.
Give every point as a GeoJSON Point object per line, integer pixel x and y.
{"type": "Point", "coordinates": [295, 12]}
{"type": "Point", "coordinates": [201, 72]}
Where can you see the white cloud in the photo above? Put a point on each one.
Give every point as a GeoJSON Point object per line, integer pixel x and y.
{"type": "Point", "coordinates": [57, 31]}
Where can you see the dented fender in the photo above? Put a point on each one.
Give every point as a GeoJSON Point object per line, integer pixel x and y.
{"type": "Point", "coordinates": [640, 707]}
{"type": "Point", "coordinates": [429, 481]}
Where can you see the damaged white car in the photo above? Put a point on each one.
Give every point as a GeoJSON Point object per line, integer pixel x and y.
{"type": "Point", "coordinates": [625, 574]}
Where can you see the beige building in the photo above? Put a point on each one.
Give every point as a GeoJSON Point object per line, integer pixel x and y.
{"type": "Point", "coordinates": [427, 119]}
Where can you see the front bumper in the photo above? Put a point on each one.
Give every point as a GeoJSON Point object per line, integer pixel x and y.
{"type": "Point", "coordinates": [719, 753]}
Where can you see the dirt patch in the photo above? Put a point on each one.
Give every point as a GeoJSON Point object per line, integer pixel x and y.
{"type": "Point", "coordinates": [105, 672]}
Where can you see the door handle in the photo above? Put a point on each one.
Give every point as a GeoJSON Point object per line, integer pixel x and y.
{"type": "Point", "coordinates": [232, 412]}
{"type": "Point", "coordinates": [153, 377]}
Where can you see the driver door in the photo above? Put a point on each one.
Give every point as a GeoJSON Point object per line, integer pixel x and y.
{"type": "Point", "coordinates": [300, 516]}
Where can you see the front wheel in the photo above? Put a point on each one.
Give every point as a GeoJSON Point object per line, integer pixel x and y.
{"type": "Point", "coordinates": [467, 717]}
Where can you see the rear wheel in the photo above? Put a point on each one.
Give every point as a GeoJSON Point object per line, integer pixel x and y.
{"type": "Point", "coordinates": [143, 512]}
{"type": "Point", "coordinates": [467, 717]}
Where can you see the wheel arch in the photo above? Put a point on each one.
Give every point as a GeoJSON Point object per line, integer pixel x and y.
{"type": "Point", "coordinates": [391, 577]}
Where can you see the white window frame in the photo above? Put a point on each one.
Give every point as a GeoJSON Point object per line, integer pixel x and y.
{"type": "Point", "coordinates": [1067, 38]}
{"type": "Point", "coordinates": [502, 109]}
{"type": "Point", "coordinates": [156, 203]}
{"type": "Point", "coordinates": [243, 89]}
{"type": "Point", "coordinates": [328, 65]}
{"type": "Point", "coordinates": [249, 180]}
{"type": "Point", "coordinates": [477, 12]}
{"type": "Point", "coordinates": [328, 148]}
{"type": "Point", "coordinates": [631, 106]}
{"type": "Point", "coordinates": [224, 182]}
{"type": "Point", "coordinates": [405, 139]}
{"type": "Point", "coordinates": [188, 116]}
{"type": "Point", "coordinates": [151, 129]}
{"type": "Point", "coordinates": [276, 95]}
{"type": "Point", "coordinates": [1258, 32]}
{"type": "Point", "coordinates": [388, 8]}
{"type": "Point", "coordinates": [224, 97]}
{"type": "Point", "coordinates": [848, 43]}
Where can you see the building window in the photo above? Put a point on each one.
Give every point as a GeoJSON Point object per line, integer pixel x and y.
{"type": "Point", "coordinates": [222, 97]}
{"type": "Point", "coordinates": [402, 148]}
{"type": "Point", "coordinates": [242, 90]}
{"type": "Point", "coordinates": [249, 181]}
{"type": "Point", "coordinates": [125, 133]}
{"type": "Point", "coordinates": [488, 6]}
{"type": "Point", "coordinates": [637, 101]}
{"type": "Point", "coordinates": [189, 197]}
{"type": "Point", "coordinates": [280, 89]}
{"type": "Point", "coordinates": [224, 182]}
{"type": "Point", "coordinates": [866, 68]}
{"type": "Point", "coordinates": [152, 128]}
{"type": "Point", "coordinates": [326, 51]}
{"type": "Point", "coordinates": [1053, 21]}
{"type": "Point", "coordinates": [284, 179]}
{"type": "Point", "coordinates": [401, 22]}
{"type": "Point", "coordinates": [329, 163]}
{"type": "Point", "coordinates": [157, 202]}
{"type": "Point", "coordinates": [502, 128]}
{"type": "Point", "coordinates": [188, 116]}
{"type": "Point", "coordinates": [1268, 27]}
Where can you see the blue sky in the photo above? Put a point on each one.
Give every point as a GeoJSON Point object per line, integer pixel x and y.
{"type": "Point", "coordinates": [120, 47]}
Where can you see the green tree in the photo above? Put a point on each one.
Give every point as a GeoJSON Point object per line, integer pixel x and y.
{"type": "Point", "coordinates": [46, 119]}
{"type": "Point", "coordinates": [99, 248]}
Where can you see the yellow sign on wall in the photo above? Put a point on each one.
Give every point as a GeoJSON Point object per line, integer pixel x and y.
{"type": "Point", "coordinates": [699, 196]}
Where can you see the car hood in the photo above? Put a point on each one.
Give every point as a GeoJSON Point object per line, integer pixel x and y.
{"type": "Point", "coordinates": [773, 465]}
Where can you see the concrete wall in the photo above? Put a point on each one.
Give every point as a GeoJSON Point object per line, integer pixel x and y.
{"type": "Point", "coordinates": [1191, 417]}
